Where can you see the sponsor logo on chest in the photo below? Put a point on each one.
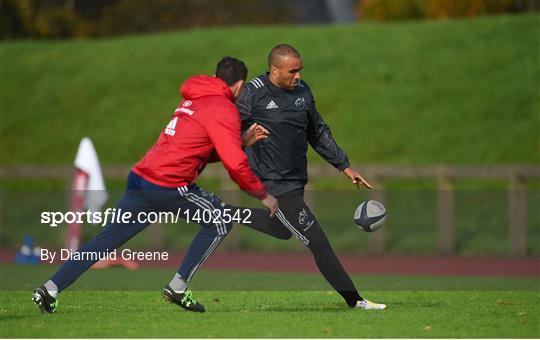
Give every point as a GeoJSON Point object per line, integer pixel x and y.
{"type": "Point", "coordinates": [272, 105]}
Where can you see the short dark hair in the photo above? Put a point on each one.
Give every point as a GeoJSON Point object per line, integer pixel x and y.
{"type": "Point", "coordinates": [231, 70]}
{"type": "Point", "coordinates": [282, 50]}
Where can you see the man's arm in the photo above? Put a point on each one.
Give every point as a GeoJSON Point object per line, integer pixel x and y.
{"type": "Point", "coordinates": [251, 131]}
{"type": "Point", "coordinates": [320, 138]}
{"type": "Point", "coordinates": [252, 135]}
{"type": "Point", "coordinates": [244, 104]}
{"type": "Point", "coordinates": [225, 135]}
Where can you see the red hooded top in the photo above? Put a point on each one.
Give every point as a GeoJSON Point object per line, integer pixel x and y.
{"type": "Point", "coordinates": [206, 122]}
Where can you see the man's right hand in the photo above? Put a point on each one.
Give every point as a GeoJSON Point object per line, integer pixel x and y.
{"type": "Point", "coordinates": [271, 203]}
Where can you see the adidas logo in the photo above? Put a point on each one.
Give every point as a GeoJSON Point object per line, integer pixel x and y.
{"type": "Point", "coordinates": [271, 105]}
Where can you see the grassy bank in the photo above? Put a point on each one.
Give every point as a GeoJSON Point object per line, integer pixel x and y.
{"type": "Point", "coordinates": [460, 92]}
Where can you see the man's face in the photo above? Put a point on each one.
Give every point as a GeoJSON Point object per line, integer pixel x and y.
{"type": "Point", "coordinates": [286, 72]}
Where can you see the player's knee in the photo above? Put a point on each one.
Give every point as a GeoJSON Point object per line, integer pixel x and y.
{"type": "Point", "coordinates": [223, 228]}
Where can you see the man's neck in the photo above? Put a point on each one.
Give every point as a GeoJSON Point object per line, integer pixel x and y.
{"type": "Point", "coordinates": [273, 81]}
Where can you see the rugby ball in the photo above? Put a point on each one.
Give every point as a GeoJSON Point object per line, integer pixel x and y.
{"type": "Point", "coordinates": [369, 216]}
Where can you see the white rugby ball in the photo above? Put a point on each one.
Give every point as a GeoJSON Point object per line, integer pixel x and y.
{"type": "Point", "coordinates": [369, 216]}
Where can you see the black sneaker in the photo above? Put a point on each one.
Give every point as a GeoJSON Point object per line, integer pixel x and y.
{"type": "Point", "coordinates": [43, 300]}
{"type": "Point", "coordinates": [184, 300]}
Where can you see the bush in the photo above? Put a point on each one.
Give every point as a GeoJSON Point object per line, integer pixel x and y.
{"type": "Point", "coordinates": [383, 10]}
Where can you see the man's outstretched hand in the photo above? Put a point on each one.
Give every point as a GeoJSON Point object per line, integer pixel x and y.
{"type": "Point", "coordinates": [255, 133]}
{"type": "Point", "coordinates": [356, 178]}
{"type": "Point", "coordinates": [271, 203]}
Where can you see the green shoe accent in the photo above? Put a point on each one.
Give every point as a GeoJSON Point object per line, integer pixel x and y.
{"type": "Point", "coordinates": [45, 302]}
{"type": "Point", "coordinates": [184, 299]}
{"type": "Point", "coordinates": [188, 299]}
{"type": "Point", "coordinates": [54, 305]}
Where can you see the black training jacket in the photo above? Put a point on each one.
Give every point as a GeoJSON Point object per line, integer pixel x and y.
{"type": "Point", "coordinates": [280, 160]}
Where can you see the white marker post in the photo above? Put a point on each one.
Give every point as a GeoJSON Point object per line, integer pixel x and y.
{"type": "Point", "coordinates": [87, 189]}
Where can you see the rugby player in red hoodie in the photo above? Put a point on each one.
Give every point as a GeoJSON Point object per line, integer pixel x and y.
{"type": "Point", "coordinates": [204, 128]}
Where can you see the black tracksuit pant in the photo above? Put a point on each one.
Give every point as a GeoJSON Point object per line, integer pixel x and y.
{"type": "Point", "coordinates": [295, 218]}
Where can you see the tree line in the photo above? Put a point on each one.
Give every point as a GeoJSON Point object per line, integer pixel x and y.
{"type": "Point", "coordinates": [38, 19]}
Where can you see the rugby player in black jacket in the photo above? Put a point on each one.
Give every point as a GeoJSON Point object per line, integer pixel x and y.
{"type": "Point", "coordinates": [283, 107]}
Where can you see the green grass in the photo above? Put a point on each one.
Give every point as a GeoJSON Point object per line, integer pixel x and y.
{"type": "Point", "coordinates": [271, 314]}
{"type": "Point", "coordinates": [458, 92]}
{"type": "Point", "coordinates": [238, 305]}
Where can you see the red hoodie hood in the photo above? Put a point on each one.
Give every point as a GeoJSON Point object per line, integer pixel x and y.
{"type": "Point", "coordinates": [202, 86]}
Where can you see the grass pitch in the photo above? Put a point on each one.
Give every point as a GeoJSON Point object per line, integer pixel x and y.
{"type": "Point", "coordinates": [458, 307]}
{"type": "Point", "coordinates": [280, 314]}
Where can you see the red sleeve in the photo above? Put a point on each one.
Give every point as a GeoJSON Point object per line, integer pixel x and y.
{"type": "Point", "coordinates": [224, 131]}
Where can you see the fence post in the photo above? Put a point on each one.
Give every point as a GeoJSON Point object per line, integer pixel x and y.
{"type": "Point", "coordinates": [156, 236]}
{"type": "Point", "coordinates": [229, 194]}
{"type": "Point", "coordinates": [377, 240]}
{"type": "Point", "coordinates": [445, 215]}
{"type": "Point", "coordinates": [517, 215]}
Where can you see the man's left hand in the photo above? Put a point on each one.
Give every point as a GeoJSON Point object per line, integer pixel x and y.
{"type": "Point", "coordinates": [255, 133]}
{"type": "Point", "coordinates": [356, 178]}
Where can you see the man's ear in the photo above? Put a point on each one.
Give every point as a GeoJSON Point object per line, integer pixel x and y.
{"type": "Point", "coordinates": [237, 87]}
